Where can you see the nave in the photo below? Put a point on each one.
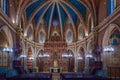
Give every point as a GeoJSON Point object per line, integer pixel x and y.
{"type": "Point", "coordinates": [60, 39]}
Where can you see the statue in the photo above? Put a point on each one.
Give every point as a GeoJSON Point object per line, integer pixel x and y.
{"type": "Point", "coordinates": [55, 63]}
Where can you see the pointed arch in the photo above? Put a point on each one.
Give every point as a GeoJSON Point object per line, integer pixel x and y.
{"type": "Point", "coordinates": [107, 32]}
{"type": "Point", "coordinates": [9, 36]}
{"type": "Point", "coordinates": [81, 58]}
{"type": "Point", "coordinates": [29, 32]}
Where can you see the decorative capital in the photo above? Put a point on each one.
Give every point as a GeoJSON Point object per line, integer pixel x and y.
{"type": "Point", "coordinates": [18, 30]}
{"type": "Point", "coordinates": [95, 29]}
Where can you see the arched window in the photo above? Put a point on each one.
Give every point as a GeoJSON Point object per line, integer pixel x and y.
{"type": "Point", "coordinates": [111, 6]}
{"type": "Point", "coordinates": [69, 37]}
{"type": "Point", "coordinates": [42, 37]}
{"type": "Point", "coordinates": [30, 33]}
{"type": "Point", "coordinates": [81, 33]}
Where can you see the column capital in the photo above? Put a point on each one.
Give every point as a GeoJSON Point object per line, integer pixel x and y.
{"type": "Point", "coordinates": [18, 30]}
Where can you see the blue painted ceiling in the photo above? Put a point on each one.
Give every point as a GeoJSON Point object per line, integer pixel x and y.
{"type": "Point", "coordinates": [32, 8]}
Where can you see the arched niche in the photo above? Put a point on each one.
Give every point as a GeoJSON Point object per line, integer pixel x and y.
{"type": "Point", "coordinates": [43, 61]}
{"type": "Point", "coordinates": [72, 61]}
{"type": "Point", "coordinates": [8, 36]}
{"type": "Point", "coordinates": [90, 46]}
{"type": "Point", "coordinates": [55, 33]}
{"type": "Point", "coordinates": [69, 36]}
{"type": "Point", "coordinates": [68, 62]}
{"type": "Point", "coordinates": [6, 41]}
{"type": "Point", "coordinates": [3, 40]}
{"type": "Point", "coordinates": [81, 59]}
{"type": "Point", "coordinates": [111, 38]}
{"type": "Point", "coordinates": [39, 61]}
{"type": "Point", "coordinates": [4, 56]}
{"type": "Point", "coordinates": [90, 56]}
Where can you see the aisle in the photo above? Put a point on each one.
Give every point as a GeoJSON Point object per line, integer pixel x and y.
{"type": "Point", "coordinates": [55, 76]}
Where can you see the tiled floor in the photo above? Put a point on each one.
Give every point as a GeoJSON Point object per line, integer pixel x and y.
{"type": "Point", "coordinates": [55, 76]}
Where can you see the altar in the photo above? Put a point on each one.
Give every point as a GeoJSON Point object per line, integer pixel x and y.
{"type": "Point", "coordinates": [55, 69]}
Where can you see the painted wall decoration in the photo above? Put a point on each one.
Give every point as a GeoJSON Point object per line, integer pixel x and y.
{"type": "Point", "coordinates": [69, 36]}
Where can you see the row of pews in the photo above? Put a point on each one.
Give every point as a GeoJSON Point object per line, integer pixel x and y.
{"type": "Point", "coordinates": [63, 76]}
{"type": "Point", "coordinates": [32, 76]}
{"type": "Point", "coordinates": [79, 76]}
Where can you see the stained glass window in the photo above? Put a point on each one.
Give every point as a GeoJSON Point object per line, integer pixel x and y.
{"type": "Point", "coordinates": [42, 37]}
{"type": "Point", "coordinates": [69, 37]}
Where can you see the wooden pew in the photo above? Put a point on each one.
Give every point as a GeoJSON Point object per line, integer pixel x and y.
{"type": "Point", "coordinates": [79, 76]}
{"type": "Point", "coordinates": [32, 76]}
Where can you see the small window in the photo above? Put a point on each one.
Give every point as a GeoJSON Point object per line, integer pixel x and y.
{"type": "Point", "coordinates": [111, 6]}
{"type": "Point", "coordinates": [4, 5]}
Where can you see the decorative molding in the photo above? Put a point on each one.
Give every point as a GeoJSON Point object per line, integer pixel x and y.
{"type": "Point", "coordinates": [7, 20]}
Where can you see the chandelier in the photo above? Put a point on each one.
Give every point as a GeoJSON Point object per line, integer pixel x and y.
{"type": "Point", "coordinates": [44, 55]}
{"type": "Point", "coordinates": [66, 55]}
{"type": "Point", "coordinates": [23, 56]}
{"type": "Point", "coordinates": [89, 56]}
{"type": "Point", "coordinates": [8, 49]}
{"type": "Point", "coordinates": [108, 49]}
{"type": "Point", "coordinates": [79, 58]}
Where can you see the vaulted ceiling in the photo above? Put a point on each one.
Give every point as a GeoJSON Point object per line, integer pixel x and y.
{"type": "Point", "coordinates": [55, 11]}
{"type": "Point", "coordinates": [31, 14]}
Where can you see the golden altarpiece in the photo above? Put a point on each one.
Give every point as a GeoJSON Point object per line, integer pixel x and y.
{"type": "Point", "coordinates": [55, 47]}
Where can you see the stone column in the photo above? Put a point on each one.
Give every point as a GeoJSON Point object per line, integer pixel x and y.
{"type": "Point", "coordinates": [18, 48]}
{"type": "Point", "coordinates": [76, 61]}
{"type": "Point", "coordinates": [96, 51]}
{"type": "Point", "coordinates": [35, 57]}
